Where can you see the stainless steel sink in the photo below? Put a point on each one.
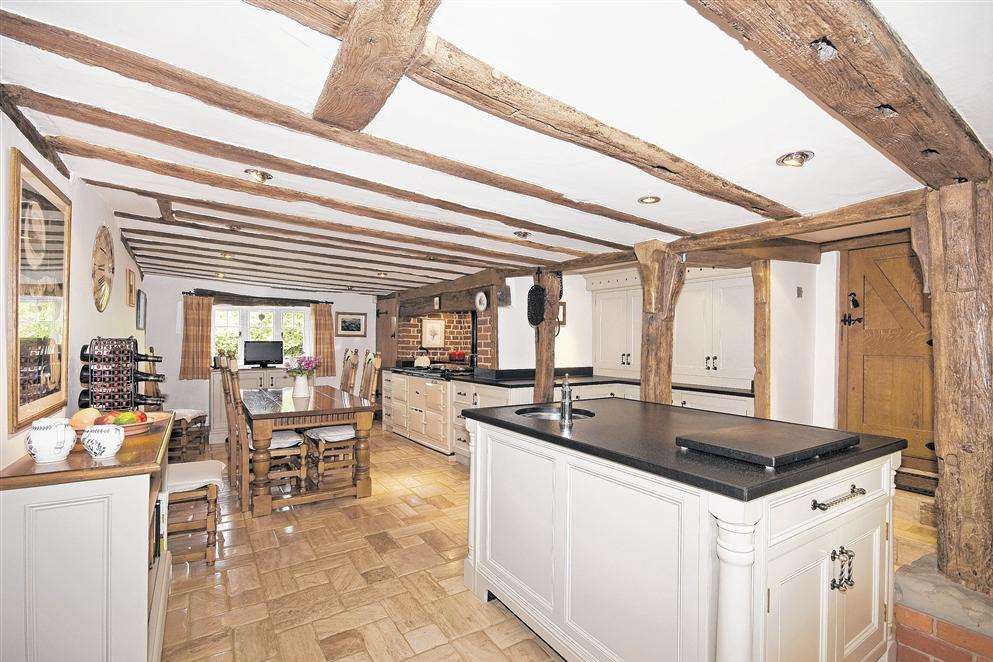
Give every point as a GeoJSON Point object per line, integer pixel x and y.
{"type": "Point", "coordinates": [552, 412]}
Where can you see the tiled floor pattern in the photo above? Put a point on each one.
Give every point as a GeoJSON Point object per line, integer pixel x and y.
{"type": "Point", "coordinates": [914, 534]}
{"type": "Point", "coordinates": [376, 579]}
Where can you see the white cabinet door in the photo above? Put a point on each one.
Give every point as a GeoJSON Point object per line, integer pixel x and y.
{"type": "Point", "coordinates": [612, 333]}
{"type": "Point", "coordinates": [415, 420]}
{"type": "Point", "coordinates": [801, 605]}
{"type": "Point", "coordinates": [734, 331]}
{"type": "Point", "coordinates": [633, 358]}
{"type": "Point", "coordinates": [692, 335]}
{"type": "Point", "coordinates": [861, 624]}
{"type": "Point", "coordinates": [434, 427]}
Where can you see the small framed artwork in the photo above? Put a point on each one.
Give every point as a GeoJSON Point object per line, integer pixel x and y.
{"type": "Point", "coordinates": [132, 288]}
{"type": "Point", "coordinates": [432, 334]}
{"type": "Point", "coordinates": [350, 325]}
{"type": "Point", "coordinates": [140, 310]}
{"type": "Point", "coordinates": [37, 294]}
{"type": "Point", "coordinates": [561, 313]}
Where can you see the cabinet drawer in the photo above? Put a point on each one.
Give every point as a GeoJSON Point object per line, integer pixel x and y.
{"type": "Point", "coordinates": [434, 426]}
{"type": "Point", "coordinates": [462, 392]}
{"type": "Point", "coordinates": [794, 511]}
{"type": "Point", "coordinates": [461, 440]}
{"type": "Point", "coordinates": [458, 420]}
{"type": "Point", "coordinates": [400, 388]}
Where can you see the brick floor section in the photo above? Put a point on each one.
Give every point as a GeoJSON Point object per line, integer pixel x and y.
{"type": "Point", "coordinates": [922, 638]}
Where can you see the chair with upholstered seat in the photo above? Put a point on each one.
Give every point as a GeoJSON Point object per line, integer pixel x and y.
{"type": "Point", "coordinates": [187, 482]}
{"type": "Point", "coordinates": [287, 450]}
{"type": "Point", "coordinates": [189, 434]}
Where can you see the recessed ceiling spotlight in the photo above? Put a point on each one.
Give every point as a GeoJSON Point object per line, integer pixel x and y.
{"type": "Point", "coordinates": [227, 256]}
{"type": "Point", "coordinates": [795, 159]}
{"type": "Point", "coordinates": [523, 234]}
{"type": "Point", "coordinates": [382, 274]}
{"type": "Point", "coordinates": [234, 227]}
{"type": "Point", "coordinates": [650, 199]}
{"type": "Point", "coordinates": [220, 275]}
{"type": "Point", "coordinates": [258, 176]}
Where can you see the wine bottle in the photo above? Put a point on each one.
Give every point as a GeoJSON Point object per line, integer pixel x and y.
{"type": "Point", "coordinates": [151, 358]}
{"type": "Point", "coordinates": [140, 376]}
{"type": "Point", "coordinates": [142, 399]}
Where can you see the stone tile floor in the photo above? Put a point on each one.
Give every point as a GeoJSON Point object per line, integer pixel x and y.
{"type": "Point", "coordinates": [375, 579]}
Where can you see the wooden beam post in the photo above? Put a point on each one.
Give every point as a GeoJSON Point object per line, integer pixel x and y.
{"type": "Point", "coordinates": [762, 339]}
{"type": "Point", "coordinates": [544, 337]}
{"type": "Point", "coordinates": [662, 274]}
{"type": "Point", "coordinates": [960, 247]}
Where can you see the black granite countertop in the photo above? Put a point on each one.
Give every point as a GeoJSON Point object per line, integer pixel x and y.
{"type": "Point", "coordinates": [642, 435]}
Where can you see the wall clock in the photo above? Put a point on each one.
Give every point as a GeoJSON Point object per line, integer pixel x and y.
{"type": "Point", "coordinates": [102, 268]}
{"type": "Point", "coordinates": [481, 301]}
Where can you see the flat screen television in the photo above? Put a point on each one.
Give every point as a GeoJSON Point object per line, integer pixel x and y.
{"type": "Point", "coordinates": [263, 352]}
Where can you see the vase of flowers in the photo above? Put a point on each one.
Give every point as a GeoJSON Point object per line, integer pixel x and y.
{"type": "Point", "coordinates": [301, 370]}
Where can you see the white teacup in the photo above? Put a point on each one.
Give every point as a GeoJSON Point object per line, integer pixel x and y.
{"type": "Point", "coordinates": [103, 441]}
{"type": "Point", "coordinates": [50, 439]}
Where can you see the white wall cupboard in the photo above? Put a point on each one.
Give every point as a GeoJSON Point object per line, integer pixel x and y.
{"type": "Point", "coordinates": [616, 322]}
{"type": "Point", "coordinates": [714, 330]}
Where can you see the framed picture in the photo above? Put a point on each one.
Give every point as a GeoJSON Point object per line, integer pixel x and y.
{"type": "Point", "coordinates": [432, 333]}
{"type": "Point", "coordinates": [140, 310]}
{"type": "Point", "coordinates": [37, 294]}
{"type": "Point", "coordinates": [350, 325]}
{"type": "Point", "coordinates": [132, 288]}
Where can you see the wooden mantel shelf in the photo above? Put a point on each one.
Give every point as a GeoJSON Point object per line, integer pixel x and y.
{"type": "Point", "coordinates": [140, 454]}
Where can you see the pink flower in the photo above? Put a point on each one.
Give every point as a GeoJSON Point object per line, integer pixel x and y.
{"type": "Point", "coordinates": [305, 365]}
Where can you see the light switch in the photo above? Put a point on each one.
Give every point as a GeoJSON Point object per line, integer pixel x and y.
{"type": "Point", "coordinates": [799, 292]}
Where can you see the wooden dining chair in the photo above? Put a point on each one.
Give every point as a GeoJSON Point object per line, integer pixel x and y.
{"type": "Point", "coordinates": [231, 445]}
{"type": "Point", "coordinates": [197, 483]}
{"type": "Point", "coordinates": [349, 366]}
{"type": "Point", "coordinates": [371, 364]}
{"type": "Point", "coordinates": [288, 450]}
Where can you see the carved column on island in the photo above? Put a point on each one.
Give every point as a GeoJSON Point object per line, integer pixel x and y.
{"type": "Point", "coordinates": [736, 607]}
{"type": "Point", "coordinates": [544, 338]}
{"type": "Point", "coordinates": [662, 274]}
{"type": "Point", "coordinates": [955, 248]}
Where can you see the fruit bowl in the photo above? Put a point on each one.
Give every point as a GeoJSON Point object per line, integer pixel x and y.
{"type": "Point", "coordinates": [131, 429]}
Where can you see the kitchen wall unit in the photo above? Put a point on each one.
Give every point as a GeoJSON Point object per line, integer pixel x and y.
{"type": "Point", "coordinates": [714, 329]}
{"type": "Point", "coordinates": [616, 322]}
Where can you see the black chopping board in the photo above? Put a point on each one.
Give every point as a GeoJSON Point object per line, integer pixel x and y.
{"type": "Point", "coordinates": [768, 443]}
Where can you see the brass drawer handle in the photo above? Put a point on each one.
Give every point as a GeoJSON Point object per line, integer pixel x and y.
{"type": "Point", "coordinates": [824, 505]}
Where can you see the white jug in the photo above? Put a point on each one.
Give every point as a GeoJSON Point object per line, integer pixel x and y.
{"type": "Point", "coordinates": [50, 439]}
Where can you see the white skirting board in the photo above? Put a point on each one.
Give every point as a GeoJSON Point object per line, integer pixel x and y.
{"type": "Point", "coordinates": [161, 574]}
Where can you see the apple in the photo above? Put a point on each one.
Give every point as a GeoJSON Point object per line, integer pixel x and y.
{"type": "Point", "coordinates": [105, 419]}
{"type": "Point", "coordinates": [125, 418]}
{"type": "Point", "coordinates": [141, 416]}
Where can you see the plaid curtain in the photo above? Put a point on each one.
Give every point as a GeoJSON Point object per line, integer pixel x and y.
{"type": "Point", "coordinates": [323, 337]}
{"type": "Point", "coordinates": [196, 355]}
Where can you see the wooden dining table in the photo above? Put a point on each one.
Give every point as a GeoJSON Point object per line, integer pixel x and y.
{"type": "Point", "coordinates": [276, 409]}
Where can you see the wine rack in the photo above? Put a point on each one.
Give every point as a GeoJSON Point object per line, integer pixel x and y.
{"type": "Point", "coordinates": [110, 376]}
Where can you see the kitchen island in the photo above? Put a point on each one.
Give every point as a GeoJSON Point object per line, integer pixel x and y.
{"type": "Point", "coordinates": [614, 543]}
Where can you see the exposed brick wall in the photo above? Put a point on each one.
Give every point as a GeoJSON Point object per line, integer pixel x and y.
{"type": "Point", "coordinates": [923, 638]}
{"type": "Point", "coordinates": [487, 337]}
{"type": "Point", "coordinates": [458, 335]}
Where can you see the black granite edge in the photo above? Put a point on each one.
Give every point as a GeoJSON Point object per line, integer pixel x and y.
{"type": "Point", "coordinates": [590, 380]}
{"type": "Point", "coordinates": [715, 390]}
{"type": "Point", "coordinates": [528, 373]}
{"type": "Point", "coordinates": [772, 483]}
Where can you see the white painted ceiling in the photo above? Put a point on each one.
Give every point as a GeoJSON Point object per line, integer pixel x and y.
{"type": "Point", "coordinates": [657, 70]}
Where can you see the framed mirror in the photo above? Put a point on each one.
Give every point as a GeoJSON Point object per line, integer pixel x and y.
{"type": "Point", "coordinates": [39, 234]}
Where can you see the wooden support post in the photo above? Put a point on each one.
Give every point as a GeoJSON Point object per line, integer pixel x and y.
{"type": "Point", "coordinates": [960, 253]}
{"type": "Point", "coordinates": [662, 274]}
{"type": "Point", "coordinates": [762, 333]}
{"type": "Point", "coordinates": [544, 338]}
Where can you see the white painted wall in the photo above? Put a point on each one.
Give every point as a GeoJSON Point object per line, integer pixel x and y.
{"type": "Point", "coordinates": [793, 323]}
{"type": "Point", "coordinates": [824, 387]}
{"type": "Point", "coordinates": [574, 344]}
{"type": "Point", "coordinates": [165, 330]}
{"type": "Point", "coordinates": [89, 212]}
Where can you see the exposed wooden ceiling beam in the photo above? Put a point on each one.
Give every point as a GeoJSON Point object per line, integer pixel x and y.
{"type": "Point", "coordinates": [29, 131]}
{"type": "Point", "coordinates": [889, 206]}
{"type": "Point", "coordinates": [26, 98]}
{"type": "Point", "coordinates": [214, 246]}
{"type": "Point", "coordinates": [209, 256]}
{"type": "Point", "coordinates": [238, 228]}
{"type": "Point", "coordinates": [480, 279]}
{"type": "Point", "coordinates": [74, 147]}
{"type": "Point", "coordinates": [130, 252]}
{"type": "Point", "coordinates": [867, 241]}
{"type": "Point", "coordinates": [378, 44]}
{"type": "Point", "coordinates": [165, 208]}
{"type": "Point", "coordinates": [146, 69]}
{"type": "Point", "coordinates": [444, 68]}
{"type": "Point", "coordinates": [235, 265]}
{"type": "Point", "coordinates": [846, 58]}
{"type": "Point", "coordinates": [251, 281]}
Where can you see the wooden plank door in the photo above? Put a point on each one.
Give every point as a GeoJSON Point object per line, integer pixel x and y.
{"type": "Point", "coordinates": [886, 378]}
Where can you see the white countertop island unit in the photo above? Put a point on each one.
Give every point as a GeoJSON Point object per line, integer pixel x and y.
{"type": "Point", "coordinates": [614, 544]}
